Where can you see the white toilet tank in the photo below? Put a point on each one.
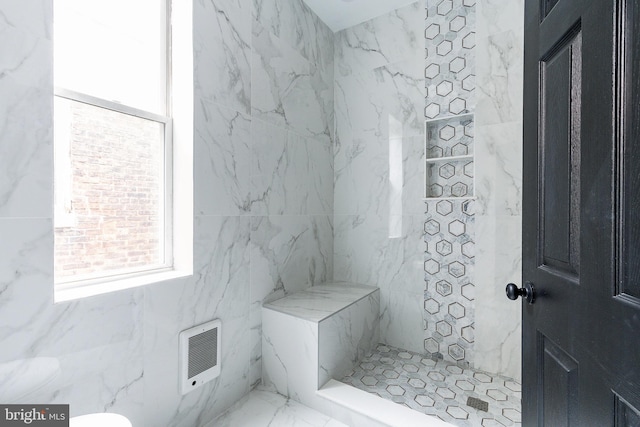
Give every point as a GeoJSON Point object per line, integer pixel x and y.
{"type": "Point", "coordinates": [99, 420]}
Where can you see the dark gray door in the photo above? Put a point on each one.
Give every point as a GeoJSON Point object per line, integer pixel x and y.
{"type": "Point", "coordinates": [581, 230]}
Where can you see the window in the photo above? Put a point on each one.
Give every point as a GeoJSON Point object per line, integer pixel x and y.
{"type": "Point", "coordinates": [118, 220]}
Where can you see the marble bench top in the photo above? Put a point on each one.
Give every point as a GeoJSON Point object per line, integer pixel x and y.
{"type": "Point", "coordinates": [319, 302]}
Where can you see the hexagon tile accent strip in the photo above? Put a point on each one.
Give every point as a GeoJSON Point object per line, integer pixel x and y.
{"type": "Point", "coordinates": [438, 388]}
{"type": "Point", "coordinates": [450, 69]}
{"type": "Point", "coordinates": [449, 293]}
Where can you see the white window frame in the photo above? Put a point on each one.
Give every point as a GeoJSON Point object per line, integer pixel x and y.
{"type": "Point", "coordinates": [178, 168]}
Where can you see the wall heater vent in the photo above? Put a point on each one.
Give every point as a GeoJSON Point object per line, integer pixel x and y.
{"type": "Point", "coordinates": [199, 355]}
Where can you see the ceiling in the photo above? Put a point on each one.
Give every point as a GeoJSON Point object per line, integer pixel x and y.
{"type": "Point", "coordinates": [341, 14]}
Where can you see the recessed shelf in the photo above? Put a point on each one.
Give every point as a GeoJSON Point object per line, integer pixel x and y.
{"type": "Point", "coordinates": [450, 158]}
{"type": "Point", "coordinates": [449, 117]}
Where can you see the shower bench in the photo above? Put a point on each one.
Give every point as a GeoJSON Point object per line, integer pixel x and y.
{"type": "Point", "coordinates": [312, 336]}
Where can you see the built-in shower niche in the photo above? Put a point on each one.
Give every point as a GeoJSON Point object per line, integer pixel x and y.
{"type": "Point", "coordinates": [449, 157]}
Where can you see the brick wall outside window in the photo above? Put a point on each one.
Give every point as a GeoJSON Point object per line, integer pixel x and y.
{"type": "Point", "coordinates": [117, 183]}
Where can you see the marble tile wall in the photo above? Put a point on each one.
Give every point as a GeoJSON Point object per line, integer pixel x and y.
{"type": "Point", "coordinates": [449, 233]}
{"type": "Point", "coordinates": [490, 39]}
{"type": "Point", "coordinates": [378, 163]}
{"type": "Point", "coordinates": [263, 204]}
{"type": "Point", "coordinates": [500, 40]}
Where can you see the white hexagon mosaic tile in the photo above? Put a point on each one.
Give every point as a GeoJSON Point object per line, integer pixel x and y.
{"type": "Point", "coordinates": [449, 292]}
{"type": "Point", "coordinates": [457, 395]}
{"type": "Point", "coordinates": [450, 61]}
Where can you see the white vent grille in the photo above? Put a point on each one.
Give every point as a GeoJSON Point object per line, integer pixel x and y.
{"type": "Point", "coordinates": [199, 355]}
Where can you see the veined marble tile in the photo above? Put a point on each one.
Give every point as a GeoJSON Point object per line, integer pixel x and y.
{"type": "Point", "coordinates": [320, 301]}
{"type": "Point", "coordinates": [386, 102]}
{"type": "Point", "coordinates": [379, 251]}
{"type": "Point", "coordinates": [346, 336]}
{"type": "Point", "coordinates": [361, 179]}
{"type": "Point", "coordinates": [27, 54]}
{"type": "Point", "coordinates": [497, 16]}
{"type": "Point", "coordinates": [289, 360]}
{"type": "Point", "coordinates": [290, 174]}
{"type": "Point", "coordinates": [376, 251]}
{"type": "Point", "coordinates": [222, 52]}
{"type": "Point", "coordinates": [262, 408]}
{"type": "Point", "coordinates": [499, 169]}
{"type": "Point", "coordinates": [286, 91]}
{"type": "Point", "coordinates": [26, 150]}
{"type": "Point", "coordinates": [90, 340]}
{"type": "Point", "coordinates": [497, 328]}
{"type": "Point", "coordinates": [380, 41]}
{"type": "Point", "coordinates": [34, 17]}
{"type": "Point", "coordinates": [26, 285]}
{"type": "Point", "coordinates": [295, 24]}
{"type": "Point", "coordinates": [288, 254]}
{"type": "Point", "coordinates": [401, 319]}
{"type": "Point", "coordinates": [222, 161]}
{"type": "Point", "coordinates": [499, 78]}
{"type": "Point", "coordinates": [376, 112]}
{"type": "Point", "coordinates": [319, 176]}
{"type": "Point", "coordinates": [218, 289]}
{"type": "Point", "coordinates": [117, 389]}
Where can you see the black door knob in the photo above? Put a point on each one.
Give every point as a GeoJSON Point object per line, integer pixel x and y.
{"type": "Point", "coordinates": [528, 292]}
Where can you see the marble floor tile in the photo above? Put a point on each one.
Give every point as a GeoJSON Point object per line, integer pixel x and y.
{"type": "Point", "coordinates": [262, 408]}
{"type": "Point", "coordinates": [462, 397]}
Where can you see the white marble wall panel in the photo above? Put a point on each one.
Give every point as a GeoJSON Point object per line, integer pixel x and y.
{"type": "Point", "coordinates": [366, 252]}
{"type": "Point", "coordinates": [290, 174]}
{"type": "Point", "coordinates": [384, 40]}
{"type": "Point", "coordinates": [288, 254]}
{"type": "Point", "coordinates": [222, 52]}
{"type": "Point", "coordinates": [500, 77]}
{"type": "Point", "coordinates": [26, 85]}
{"type": "Point", "coordinates": [287, 90]}
{"type": "Point", "coordinates": [219, 289]}
{"type": "Point", "coordinates": [378, 96]}
{"type": "Point", "coordinates": [400, 318]}
{"type": "Point", "coordinates": [378, 154]}
{"type": "Point", "coordinates": [110, 332]}
{"type": "Point", "coordinates": [293, 22]}
{"type": "Point", "coordinates": [222, 164]}
{"type": "Point", "coordinates": [498, 336]}
{"type": "Point", "coordinates": [290, 360]}
{"type": "Point", "coordinates": [33, 17]}
{"type": "Point", "coordinates": [499, 184]}
{"type": "Point", "coordinates": [499, 169]}
{"type": "Point", "coordinates": [346, 336]}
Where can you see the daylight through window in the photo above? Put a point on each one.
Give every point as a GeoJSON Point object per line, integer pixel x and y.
{"type": "Point", "coordinates": [112, 140]}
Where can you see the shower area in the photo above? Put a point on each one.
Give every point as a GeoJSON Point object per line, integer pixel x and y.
{"type": "Point", "coordinates": [427, 202]}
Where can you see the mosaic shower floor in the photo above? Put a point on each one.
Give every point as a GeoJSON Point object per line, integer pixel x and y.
{"type": "Point", "coordinates": [462, 397]}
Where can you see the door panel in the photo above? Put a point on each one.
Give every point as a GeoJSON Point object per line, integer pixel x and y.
{"type": "Point", "coordinates": [626, 415]}
{"type": "Point", "coordinates": [559, 210]}
{"type": "Point", "coordinates": [581, 213]}
{"type": "Point", "coordinates": [629, 117]}
{"type": "Point", "coordinates": [559, 384]}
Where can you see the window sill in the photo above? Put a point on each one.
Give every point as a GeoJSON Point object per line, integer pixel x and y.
{"type": "Point", "coordinates": [108, 286]}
